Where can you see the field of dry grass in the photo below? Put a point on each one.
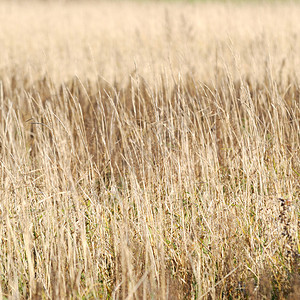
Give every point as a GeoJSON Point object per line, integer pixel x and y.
{"type": "Point", "coordinates": [149, 150]}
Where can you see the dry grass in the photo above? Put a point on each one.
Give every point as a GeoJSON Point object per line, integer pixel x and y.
{"type": "Point", "coordinates": [149, 151]}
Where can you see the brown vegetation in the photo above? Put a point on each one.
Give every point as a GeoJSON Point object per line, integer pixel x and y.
{"type": "Point", "coordinates": [177, 178]}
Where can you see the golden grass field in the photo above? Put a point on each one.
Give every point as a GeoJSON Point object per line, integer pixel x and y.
{"type": "Point", "coordinates": [149, 150]}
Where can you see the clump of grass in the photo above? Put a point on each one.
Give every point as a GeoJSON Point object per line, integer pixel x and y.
{"type": "Point", "coordinates": [177, 186]}
{"type": "Point", "coordinates": [133, 191]}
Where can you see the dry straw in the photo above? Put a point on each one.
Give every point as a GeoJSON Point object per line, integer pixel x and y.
{"type": "Point", "coordinates": [144, 149]}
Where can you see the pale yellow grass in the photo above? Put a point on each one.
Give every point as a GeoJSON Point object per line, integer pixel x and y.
{"type": "Point", "coordinates": [149, 150]}
{"type": "Point", "coordinates": [114, 39]}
